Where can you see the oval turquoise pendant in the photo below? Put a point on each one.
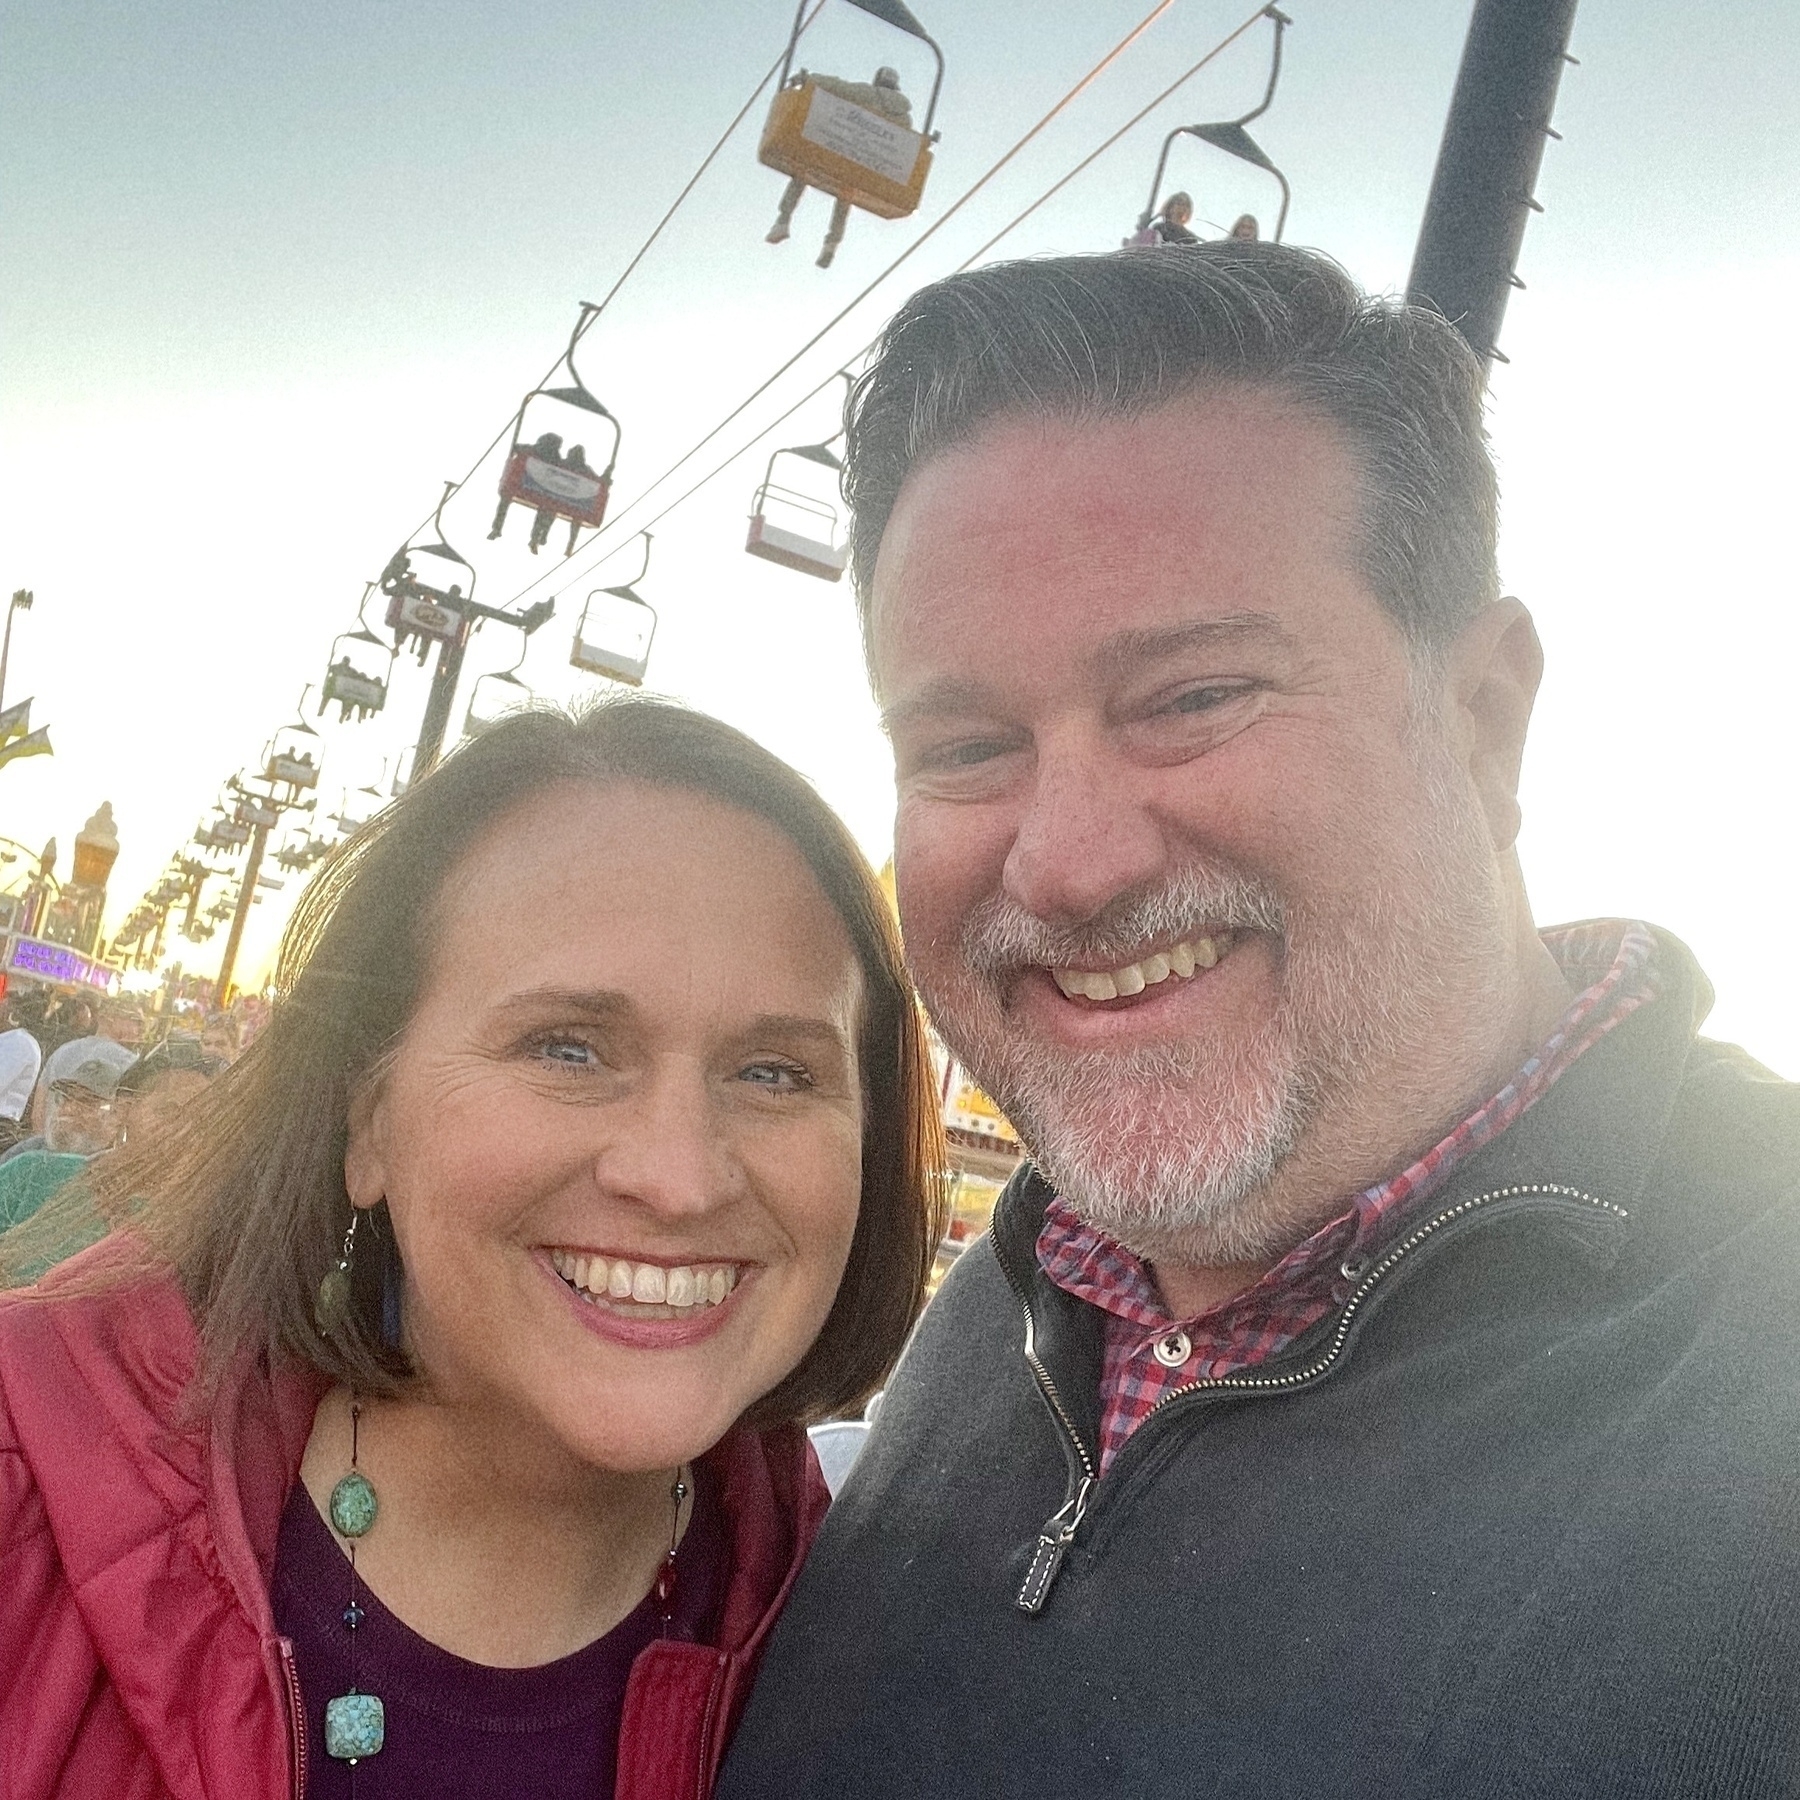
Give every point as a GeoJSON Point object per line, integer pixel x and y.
{"type": "Point", "coordinates": [353, 1506]}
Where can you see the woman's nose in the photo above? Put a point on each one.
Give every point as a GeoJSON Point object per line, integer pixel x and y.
{"type": "Point", "coordinates": [668, 1149]}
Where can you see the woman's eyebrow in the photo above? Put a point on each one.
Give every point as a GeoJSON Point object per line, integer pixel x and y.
{"type": "Point", "coordinates": [593, 1003]}
{"type": "Point", "coordinates": [801, 1026]}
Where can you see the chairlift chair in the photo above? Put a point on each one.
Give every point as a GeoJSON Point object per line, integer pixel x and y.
{"type": "Point", "coordinates": [1230, 136]}
{"type": "Point", "coordinates": [427, 586]}
{"type": "Point", "coordinates": [353, 691]}
{"type": "Point", "coordinates": [557, 483]}
{"type": "Point", "coordinates": [616, 630]}
{"type": "Point", "coordinates": [290, 759]}
{"type": "Point", "coordinates": [495, 694]}
{"type": "Point", "coordinates": [795, 529]}
{"type": "Point", "coordinates": [829, 141]}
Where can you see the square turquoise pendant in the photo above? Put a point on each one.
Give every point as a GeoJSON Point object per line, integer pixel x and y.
{"type": "Point", "coordinates": [355, 1726]}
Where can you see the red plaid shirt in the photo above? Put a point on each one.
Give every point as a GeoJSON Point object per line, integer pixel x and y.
{"type": "Point", "coordinates": [1610, 962]}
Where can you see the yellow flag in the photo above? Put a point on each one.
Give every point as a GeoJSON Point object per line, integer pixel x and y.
{"type": "Point", "coordinates": [36, 744]}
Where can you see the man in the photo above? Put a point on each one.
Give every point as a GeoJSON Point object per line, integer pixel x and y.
{"type": "Point", "coordinates": [117, 1033]}
{"type": "Point", "coordinates": [80, 1122]}
{"type": "Point", "coordinates": [1386, 1379]}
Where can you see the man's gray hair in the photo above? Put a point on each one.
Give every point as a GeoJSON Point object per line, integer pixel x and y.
{"type": "Point", "coordinates": [1094, 336]}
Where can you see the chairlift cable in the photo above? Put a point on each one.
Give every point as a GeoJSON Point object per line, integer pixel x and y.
{"type": "Point", "coordinates": [1130, 124]}
{"type": "Point", "coordinates": [718, 469]}
{"type": "Point", "coordinates": [594, 311]}
{"type": "Point", "coordinates": [918, 243]}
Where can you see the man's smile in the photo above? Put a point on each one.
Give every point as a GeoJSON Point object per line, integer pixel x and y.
{"type": "Point", "coordinates": [1179, 961]}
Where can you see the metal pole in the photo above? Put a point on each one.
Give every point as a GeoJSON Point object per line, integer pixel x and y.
{"type": "Point", "coordinates": [20, 602]}
{"type": "Point", "coordinates": [438, 703]}
{"type": "Point", "coordinates": [259, 839]}
{"type": "Point", "coordinates": [1481, 193]}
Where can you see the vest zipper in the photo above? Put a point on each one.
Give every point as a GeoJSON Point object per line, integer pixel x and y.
{"type": "Point", "coordinates": [1059, 1530]}
{"type": "Point", "coordinates": [296, 1716]}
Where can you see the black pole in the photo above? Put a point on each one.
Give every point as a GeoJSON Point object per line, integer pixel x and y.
{"type": "Point", "coordinates": [444, 677]}
{"type": "Point", "coordinates": [1487, 167]}
{"type": "Point", "coordinates": [259, 842]}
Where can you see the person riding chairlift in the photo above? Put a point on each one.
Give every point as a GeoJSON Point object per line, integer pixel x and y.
{"type": "Point", "coordinates": [882, 96]}
{"type": "Point", "coordinates": [548, 448]}
{"type": "Point", "coordinates": [1170, 226]}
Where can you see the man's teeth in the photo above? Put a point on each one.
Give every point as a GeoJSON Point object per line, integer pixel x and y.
{"type": "Point", "coordinates": [648, 1284]}
{"type": "Point", "coordinates": [1109, 984]}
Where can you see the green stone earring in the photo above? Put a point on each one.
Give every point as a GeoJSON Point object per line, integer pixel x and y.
{"type": "Point", "coordinates": [355, 1723]}
{"type": "Point", "coordinates": [331, 1305]}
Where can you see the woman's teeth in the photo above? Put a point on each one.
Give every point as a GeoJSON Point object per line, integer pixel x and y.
{"type": "Point", "coordinates": [1179, 960]}
{"type": "Point", "coordinates": [645, 1284]}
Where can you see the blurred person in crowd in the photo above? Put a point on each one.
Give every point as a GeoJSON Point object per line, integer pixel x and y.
{"type": "Point", "coordinates": [164, 1080]}
{"type": "Point", "coordinates": [219, 1036]}
{"type": "Point", "coordinates": [82, 1119]}
{"type": "Point", "coordinates": [62, 1018]}
{"type": "Point", "coordinates": [150, 1094]}
{"type": "Point", "coordinates": [20, 1061]}
{"type": "Point", "coordinates": [117, 1030]}
{"type": "Point", "coordinates": [445, 1386]}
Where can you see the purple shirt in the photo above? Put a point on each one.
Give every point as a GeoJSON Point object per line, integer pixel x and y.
{"type": "Point", "coordinates": [457, 1728]}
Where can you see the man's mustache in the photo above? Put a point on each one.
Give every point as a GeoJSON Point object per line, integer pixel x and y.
{"type": "Point", "coordinates": [1000, 936]}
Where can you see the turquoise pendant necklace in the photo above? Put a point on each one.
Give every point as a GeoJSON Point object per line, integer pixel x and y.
{"type": "Point", "coordinates": [355, 1723]}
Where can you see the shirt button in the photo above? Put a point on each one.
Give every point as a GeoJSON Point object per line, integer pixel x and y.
{"type": "Point", "coordinates": [1172, 1351]}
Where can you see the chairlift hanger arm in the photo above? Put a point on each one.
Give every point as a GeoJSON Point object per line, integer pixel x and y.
{"type": "Point", "coordinates": [1230, 136]}
{"type": "Point", "coordinates": [889, 12]}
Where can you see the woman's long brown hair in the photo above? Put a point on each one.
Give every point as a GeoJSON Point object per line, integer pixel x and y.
{"type": "Point", "coordinates": [243, 1195]}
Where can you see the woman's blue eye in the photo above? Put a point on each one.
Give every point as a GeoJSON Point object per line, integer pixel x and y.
{"type": "Point", "coordinates": [776, 1075]}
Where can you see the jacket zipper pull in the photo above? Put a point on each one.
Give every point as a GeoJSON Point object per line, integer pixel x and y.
{"type": "Point", "coordinates": [1052, 1545]}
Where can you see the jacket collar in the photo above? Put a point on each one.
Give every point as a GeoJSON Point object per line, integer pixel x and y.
{"type": "Point", "coordinates": [1599, 1129]}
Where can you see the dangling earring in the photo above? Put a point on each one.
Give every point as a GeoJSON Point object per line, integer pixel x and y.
{"type": "Point", "coordinates": [665, 1576]}
{"type": "Point", "coordinates": [332, 1305]}
{"type": "Point", "coordinates": [355, 1723]}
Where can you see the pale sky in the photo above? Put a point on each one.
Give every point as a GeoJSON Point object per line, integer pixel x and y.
{"type": "Point", "coordinates": [272, 274]}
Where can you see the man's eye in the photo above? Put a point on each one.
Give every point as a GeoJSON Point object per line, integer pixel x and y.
{"type": "Point", "coordinates": [970, 754]}
{"type": "Point", "coordinates": [574, 1053]}
{"type": "Point", "coordinates": [1205, 699]}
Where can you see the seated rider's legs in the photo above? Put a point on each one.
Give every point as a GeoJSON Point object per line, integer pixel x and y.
{"type": "Point", "coordinates": [540, 531]}
{"type": "Point", "coordinates": [574, 533]}
{"type": "Point", "coordinates": [840, 217]}
{"type": "Point", "coordinates": [784, 217]}
{"type": "Point", "coordinates": [500, 517]}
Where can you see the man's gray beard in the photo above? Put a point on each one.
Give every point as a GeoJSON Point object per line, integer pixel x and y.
{"type": "Point", "coordinates": [1173, 1149]}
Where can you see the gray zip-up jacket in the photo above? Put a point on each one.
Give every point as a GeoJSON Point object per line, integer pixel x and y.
{"type": "Point", "coordinates": [1521, 1518]}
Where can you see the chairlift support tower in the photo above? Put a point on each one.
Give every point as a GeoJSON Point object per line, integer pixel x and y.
{"type": "Point", "coordinates": [1482, 190]}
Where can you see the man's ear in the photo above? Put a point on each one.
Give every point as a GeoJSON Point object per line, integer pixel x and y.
{"type": "Point", "coordinates": [1491, 679]}
{"type": "Point", "coordinates": [365, 1176]}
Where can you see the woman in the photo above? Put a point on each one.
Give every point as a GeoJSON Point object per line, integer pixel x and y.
{"type": "Point", "coordinates": [436, 1426]}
